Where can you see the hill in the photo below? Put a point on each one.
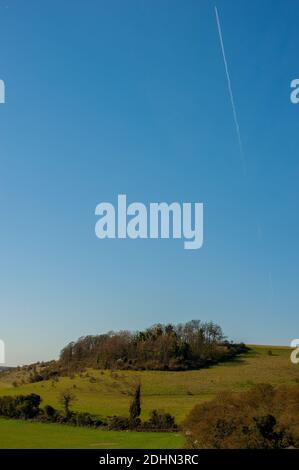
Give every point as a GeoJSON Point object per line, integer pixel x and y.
{"type": "Point", "coordinates": [108, 392]}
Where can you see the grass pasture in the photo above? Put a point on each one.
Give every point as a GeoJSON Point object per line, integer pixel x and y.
{"type": "Point", "coordinates": [107, 393]}
{"type": "Point", "coordinates": [27, 435]}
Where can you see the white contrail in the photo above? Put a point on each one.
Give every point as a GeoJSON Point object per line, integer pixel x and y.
{"type": "Point", "coordinates": [230, 90]}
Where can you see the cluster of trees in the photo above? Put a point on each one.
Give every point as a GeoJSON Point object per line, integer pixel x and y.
{"type": "Point", "coordinates": [40, 372]}
{"type": "Point", "coordinates": [162, 347]}
{"type": "Point", "coordinates": [158, 420]}
{"type": "Point", "coordinates": [28, 407]}
{"type": "Point", "coordinates": [261, 418]}
{"type": "Point", "coordinates": [20, 406]}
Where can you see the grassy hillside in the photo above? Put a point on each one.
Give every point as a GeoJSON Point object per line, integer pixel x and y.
{"type": "Point", "coordinates": [108, 392]}
{"type": "Point", "coordinates": [21, 434]}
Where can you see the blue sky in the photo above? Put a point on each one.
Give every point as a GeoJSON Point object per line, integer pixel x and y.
{"type": "Point", "coordinates": [111, 97]}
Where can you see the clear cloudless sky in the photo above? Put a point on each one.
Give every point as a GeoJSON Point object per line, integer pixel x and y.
{"type": "Point", "coordinates": [111, 97]}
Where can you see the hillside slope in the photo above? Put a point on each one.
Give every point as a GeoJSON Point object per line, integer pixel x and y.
{"type": "Point", "coordinates": [109, 392]}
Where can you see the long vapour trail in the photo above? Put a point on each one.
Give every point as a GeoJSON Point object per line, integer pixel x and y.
{"type": "Point", "coordinates": [236, 118]}
{"type": "Point", "coordinates": [230, 90]}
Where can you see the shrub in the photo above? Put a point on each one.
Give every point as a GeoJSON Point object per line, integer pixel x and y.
{"type": "Point", "coordinates": [27, 406]}
{"type": "Point", "coordinates": [20, 406]}
{"type": "Point", "coordinates": [84, 419]}
{"type": "Point", "coordinates": [262, 417]}
{"type": "Point", "coordinates": [66, 398]}
{"type": "Point", "coordinates": [119, 423]}
{"type": "Point", "coordinates": [35, 378]}
{"type": "Point", "coordinates": [50, 413]}
{"type": "Point", "coordinates": [62, 419]}
{"type": "Point", "coordinates": [160, 420]}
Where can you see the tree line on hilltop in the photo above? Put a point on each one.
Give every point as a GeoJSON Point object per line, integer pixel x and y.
{"type": "Point", "coordinates": [192, 345]}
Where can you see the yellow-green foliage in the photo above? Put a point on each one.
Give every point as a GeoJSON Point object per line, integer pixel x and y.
{"type": "Point", "coordinates": [109, 392]}
{"type": "Point", "coordinates": [263, 417]}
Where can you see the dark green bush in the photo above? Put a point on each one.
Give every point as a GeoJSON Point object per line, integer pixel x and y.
{"type": "Point", "coordinates": [20, 406]}
{"type": "Point", "coordinates": [160, 420]}
{"type": "Point", "coordinates": [84, 419]}
{"type": "Point", "coordinates": [118, 423]}
{"type": "Point", "coordinates": [50, 413]}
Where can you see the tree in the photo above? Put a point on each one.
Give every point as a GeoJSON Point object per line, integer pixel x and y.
{"type": "Point", "coordinates": [192, 345]}
{"type": "Point", "coordinates": [160, 420]}
{"type": "Point", "coordinates": [50, 412]}
{"type": "Point", "coordinates": [66, 398]}
{"type": "Point", "coordinates": [260, 418]}
{"type": "Point", "coordinates": [28, 406]}
{"type": "Point", "coordinates": [135, 407]}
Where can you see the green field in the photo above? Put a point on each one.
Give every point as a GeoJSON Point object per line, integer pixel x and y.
{"type": "Point", "coordinates": [107, 393]}
{"type": "Point", "coordinates": [26, 435]}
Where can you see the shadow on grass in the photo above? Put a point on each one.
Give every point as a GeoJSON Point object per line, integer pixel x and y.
{"type": "Point", "coordinates": [236, 360]}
